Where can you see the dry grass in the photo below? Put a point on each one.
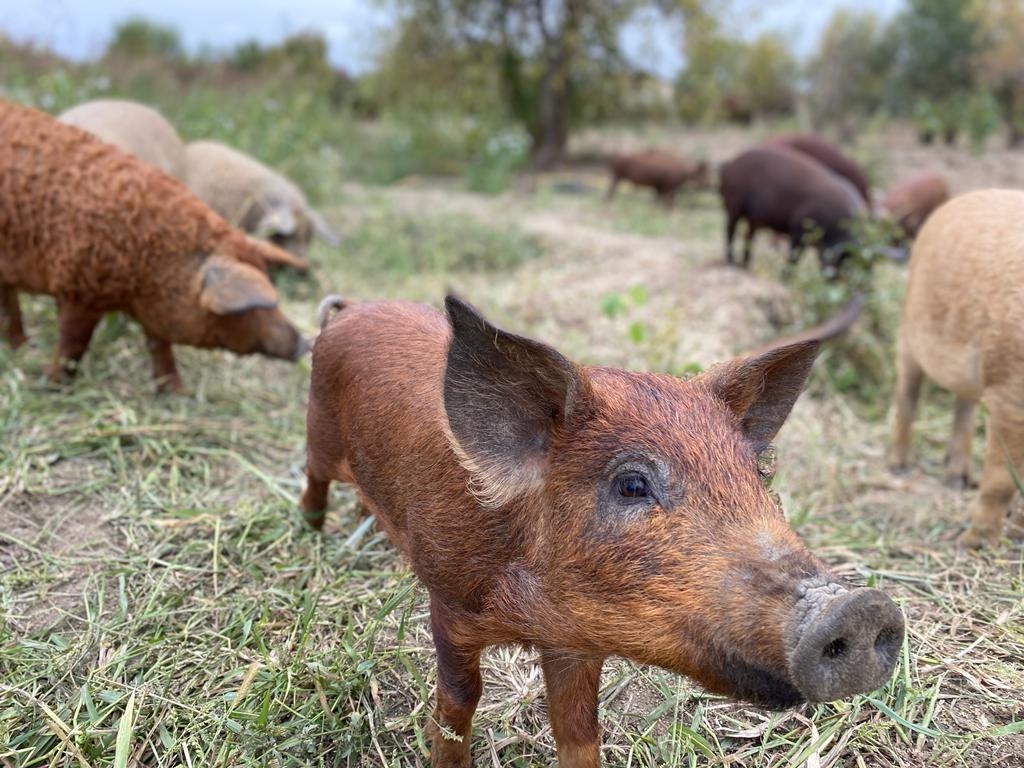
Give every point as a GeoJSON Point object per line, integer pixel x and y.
{"type": "Point", "coordinates": [163, 603]}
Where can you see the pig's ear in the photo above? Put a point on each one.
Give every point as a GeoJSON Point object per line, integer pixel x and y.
{"type": "Point", "coordinates": [228, 287]}
{"type": "Point", "coordinates": [762, 389]}
{"type": "Point", "coordinates": [271, 254]}
{"type": "Point", "coordinates": [504, 396]}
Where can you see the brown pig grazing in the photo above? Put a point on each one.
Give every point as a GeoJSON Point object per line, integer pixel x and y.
{"type": "Point", "coordinates": [662, 171]}
{"type": "Point", "coordinates": [585, 512]}
{"type": "Point", "coordinates": [784, 191]}
{"type": "Point", "coordinates": [961, 327]}
{"type": "Point", "coordinates": [99, 230]}
{"type": "Point", "coordinates": [829, 155]}
{"type": "Point", "coordinates": [912, 201]}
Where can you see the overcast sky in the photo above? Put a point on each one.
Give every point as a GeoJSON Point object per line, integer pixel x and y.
{"type": "Point", "coordinates": [79, 29]}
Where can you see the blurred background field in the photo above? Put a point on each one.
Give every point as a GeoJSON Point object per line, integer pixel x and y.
{"type": "Point", "coordinates": [162, 603]}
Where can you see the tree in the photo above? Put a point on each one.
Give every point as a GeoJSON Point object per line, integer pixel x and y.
{"type": "Point", "coordinates": [933, 41]}
{"type": "Point", "coordinates": [847, 73]}
{"type": "Point", "coordinates": [140, 38]}
{"type": "Point", "coordinates": [535, 56]}
{"type": "Point", "coordinates": [727, 78]}
{"type": "Point", "coordinates": [999, 58]}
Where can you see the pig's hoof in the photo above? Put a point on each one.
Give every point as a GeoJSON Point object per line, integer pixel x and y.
{"type": "Point", "coordinates": [170, 385]}
{"type": "Point", "coordinates": [960, 482]}
{"type": "Point", "coordinates": [314, 517]}
{"type": "Point", "coordinates": [973, 539]}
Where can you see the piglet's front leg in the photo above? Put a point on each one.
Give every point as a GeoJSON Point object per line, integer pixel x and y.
{"type": "Point", "coordinates": [458, 690]}
{"type": "Point", "coordinates": [165, 372]}
{"type": "Point", "coordinates": [572, 683]}
{"type": "Point", "coordinates": [76, 324]}
{"type": "Point", "coordinates": [10, 316]}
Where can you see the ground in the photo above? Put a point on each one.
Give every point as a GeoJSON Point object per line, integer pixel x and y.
{"type": "Point", "coordinates": [164, 604]}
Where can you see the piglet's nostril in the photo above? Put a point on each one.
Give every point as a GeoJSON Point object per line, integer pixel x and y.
{"type": "Point", "coordinates": [836, 648]}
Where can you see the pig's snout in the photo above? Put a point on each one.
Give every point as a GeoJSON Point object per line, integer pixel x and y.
{"type": "Point", "coordinates": [302, 347]}
{"type": "Point", "coordinates": [850, 647]}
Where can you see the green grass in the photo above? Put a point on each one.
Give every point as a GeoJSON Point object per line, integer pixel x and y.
{"type": "Point", "coordinates": [163, 603]}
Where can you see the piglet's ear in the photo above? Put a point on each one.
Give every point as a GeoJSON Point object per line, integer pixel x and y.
{"type": "Point", "coordinates": [272, 255]}
{"type": "Point", "coordinates": [762, 389]}
{"type": "Point", "coordinates": [228, 287]}
{"type": "Point", "coordinates": [504, 396]}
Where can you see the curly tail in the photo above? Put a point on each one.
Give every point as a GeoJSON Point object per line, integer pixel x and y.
{"type": "Point", "coordinates": [330, 306]}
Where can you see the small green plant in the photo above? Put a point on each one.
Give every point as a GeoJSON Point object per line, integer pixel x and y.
{"type": "Point", "coordinates": [615, 304]}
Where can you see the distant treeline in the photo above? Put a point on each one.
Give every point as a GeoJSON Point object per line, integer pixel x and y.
{"type": "Point", "coordinates": [953, 67]}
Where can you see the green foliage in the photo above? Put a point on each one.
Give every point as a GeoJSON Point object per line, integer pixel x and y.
{"type": "Point", "coordinates": [727, 78]}
{"type": "Point", "coordinates": [847, 73]}
{"type": "Point", "coordinates": [860, 364]}
{"type": "Point", "coordinates": [981, 119]}
{"type": "Point", "coordinates": [141, 38]}
{"type": "Point", "coordinates": [933, 42]}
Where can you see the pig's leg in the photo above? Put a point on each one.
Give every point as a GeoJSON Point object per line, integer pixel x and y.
{"type": "Point", "coordinates": [325, 456]}
{"type": "Point", "coordinates": [572, 684]}
{"type": "Point", "coordinates": [165, 372]}
{"type": "Point", "coordinates": [909, 379]}
{"type": "Point", "coordinates": [748, 243]}
{"type": "Point", "coordinates": [612, 187]}
{"type": "Point", "coordinates": [1004, 456]}
{"type": "Point", "coordinates": [13, 329]}
{"type": "Point", "coordinates": [314, 500]}
{"type": "Point", "coordinates": [730, 234]}
{"type": "Point", "coordinates": [458, 690]}
{"type": "Point", "coordinates": [76, 324]}
{"type": "Point", "coordinates": [958, 459]}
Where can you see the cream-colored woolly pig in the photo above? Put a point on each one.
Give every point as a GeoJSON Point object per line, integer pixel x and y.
{"type": "Point", "coordinates": [963, 327]}
{"type": "Point", "coordinates": [135, 128]}
{"type": "Point", "coordinates": [254, 197]}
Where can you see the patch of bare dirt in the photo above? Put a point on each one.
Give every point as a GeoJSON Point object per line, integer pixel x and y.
{"type": "Point", "coordinates": [48, 546]}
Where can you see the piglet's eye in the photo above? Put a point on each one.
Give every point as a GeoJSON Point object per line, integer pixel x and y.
{"type": "Point", "coordinates": [632, 486]}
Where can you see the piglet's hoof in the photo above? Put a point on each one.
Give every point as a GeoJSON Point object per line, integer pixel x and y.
{"type": "Point", "coordinates": [170, 385]}
{"type": "Point", "coordinates": [898, 468]}
{"type": "Point", "coordinates": [960, 482]}
{"type": "Point", "coordinates": [972, 539]}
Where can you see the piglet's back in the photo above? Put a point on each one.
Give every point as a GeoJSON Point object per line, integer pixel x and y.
{"type": "Point", "coordinates": [79, 217]}
{"type": "Point", "coordinates": [377, 372]}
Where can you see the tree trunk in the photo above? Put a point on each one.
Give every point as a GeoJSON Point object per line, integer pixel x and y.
{"type": "Point", "coordinates": [552, 133]}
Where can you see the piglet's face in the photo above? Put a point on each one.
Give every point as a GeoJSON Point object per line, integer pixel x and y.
{"type": "Point", "coordinates": [241, 312]}
{"type": "Point", "coordinates": [654, 536]}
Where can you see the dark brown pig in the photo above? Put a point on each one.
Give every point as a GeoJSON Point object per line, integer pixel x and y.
{"type": "Point", "coordinates": [782, 190]}
{"type": "Point", "coordinates": [912, 201]}
{"type": "Point", "coordinates": [662, 171]}
{"type": "Point", "coordinates": [99, 230]}
{"type": "Point", "coordinates": [829, 155]}
{"type": "Point", "coordinates": [585, 512]}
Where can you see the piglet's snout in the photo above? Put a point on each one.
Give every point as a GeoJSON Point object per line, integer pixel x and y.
{"type": "Point", "coordinates": [850, 647]}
